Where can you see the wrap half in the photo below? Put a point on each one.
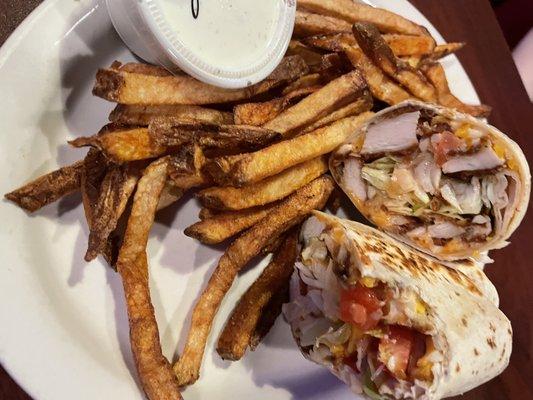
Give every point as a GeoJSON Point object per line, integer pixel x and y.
{"type": "Point", "coordinates": [390, 321]}
{"type": "Point", "coordinates": [443, 182]}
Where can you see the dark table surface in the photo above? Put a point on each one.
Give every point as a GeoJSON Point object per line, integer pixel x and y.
{"type": "Point", "coordinates": [487, 60]}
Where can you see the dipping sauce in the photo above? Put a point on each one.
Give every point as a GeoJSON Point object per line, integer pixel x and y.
{"type": "Point", "coordinates": [229, 34]}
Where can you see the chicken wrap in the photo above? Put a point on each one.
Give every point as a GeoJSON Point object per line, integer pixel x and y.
{"type": "Point", "coordinates": [390, 321]}
{"type": "Point", "coordinates": [443, 182]}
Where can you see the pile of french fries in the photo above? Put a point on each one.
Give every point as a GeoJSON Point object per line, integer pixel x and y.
{"type": "Point", "coordinates": [257, 158]}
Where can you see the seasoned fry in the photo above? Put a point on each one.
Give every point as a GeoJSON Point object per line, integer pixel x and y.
{"type": "Point", "coordinates": [206, 213]}
{"type": "Point", "coordinates": [287, 214]}
{"type": "Point", "coordinates": [216, 228]}
{"type": "Point", "coordinates": [145, 115]}
{"type": "Point", "coordinates": [437, 76]}
{"type": "Point", "coordinates": [309, 24]}
{"type": "Point", "coordinates": [170, 195]}
{"type": "Point", "coordinates": [138, 68]}
{"type": "Point", "coordinates": [362, 104]}
{"type": "Point", "coordinates": [401, 45]}
{"type": "Point", "coordinates": [306, 81]}
{"type": "Point", "coordinates": [248, 168]}
{"type": "Point", "coordinates": [123, 144]}
{"type": "Point", "coordinates": [239, 137]}
{"type": "Point", "coordinates": [116, 84]}
{"type": "Point", "coordinates": [115, 191]}
{"type": "Point", "coordinates": [373, 45]}
{"type": "Point", "coordinates": [352, 12]}
{"type": "Point", "coordinates": [381, 86]}
{"type": "Point", "coordinates": [48, 188]}
{"type": "Point", "coordinates": [242, 323]}
{"type": "Point", "coordinates": [155, 372]}
{"type": "Point", "coordinates": [257, 114]}
{"type": "Point", "coordinates": [310, 56]}
{"type": "Point", "coordinates": [331, 97]}
{"type": "Point", "coordinates": [185, 168]}
{"type": "Point", "coordinates": [441, 51]}
{"type": "Point", "coordinates": [266, 191]}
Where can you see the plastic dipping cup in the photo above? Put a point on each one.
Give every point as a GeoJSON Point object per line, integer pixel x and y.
{"type": "Point", "coordinates": [226, 43]}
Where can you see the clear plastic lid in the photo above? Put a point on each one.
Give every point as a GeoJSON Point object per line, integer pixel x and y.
{"type": "Point", "coordinates": [228, 43]}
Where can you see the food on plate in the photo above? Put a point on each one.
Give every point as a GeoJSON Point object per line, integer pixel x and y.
{"type": "Point", "coordinates": [390, 322]}
{"type": "Point", "coordinates": [48, 188]}
{"type": "Point", "coordinates": [215, 228]}
{"type": "Point", "coordinates": [309, 24]}
{"type": "Point", "coordinates": [257, 114]}
{"type": "Point", "coordinates": [375, 47]}
{"type": "Point", "coordinates": [185, 167]}
{"type": "Point", "coordinates": [287, 214]}
{"type": "Point", "coordinates": [331, 97]}
{"type": "Point", "coordinates": [310, 80]}
{"type": "Point", "coordinates": [118, 85]}
{"type": "Point", "coordinates": [243, 169]}
{"type": "Point", "coordinates": [436, 75]}
{"type": "Point", "coordinates": [442, 50]}
{"type": "Point", "coordinates": [353, 11]}
{"type": "Point", "coordinates": [242, 323]}
{"type": "Point", "coordinates": [266, 191]}
{"type": "Point", "coordinates": [155, 372]}
{"type": "Point", "coordinates": [441, 181]}
{"type": "Point", "coordinates": [145, 115]}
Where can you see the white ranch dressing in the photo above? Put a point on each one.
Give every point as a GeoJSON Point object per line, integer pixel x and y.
{"type": "Point", "coordinates": [229, 34]}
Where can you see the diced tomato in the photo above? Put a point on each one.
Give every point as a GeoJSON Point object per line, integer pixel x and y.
{"type": "Point", "coordinates": [448, 144]}
{"type": "Point", "coordinates": [395, 349]}
{"type": "Point", "coordinates": [351, 361]}
{"type": "Point", "coordinates": [360, 306]}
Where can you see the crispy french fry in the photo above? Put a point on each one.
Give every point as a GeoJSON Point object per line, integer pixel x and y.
{"type": "Point", "coordinates": [310, 56]}
{"type": "Point", "coordinates": [145, 115]}
{"type": "Point", "coordinates": [206, 213]}
{"type": "Point", "coordinates": [48, 188]}
{"type": "Point", "coordinates": [401, 45]}
{"type": "Point", "coordinates": [116, 84]}
{"type": "Point", "coordinates": [352, 12]}
{"type": "Point", "coordinates": [216, 228]}
{"type": "Point", "coordinates": [115, 191]}
{"type": "Point", "coordinates": [309, 24]}
{"type": "Point", "coordinates": [240, 137]}
{"type": "Point", "coordinates": [362, 104]}
{"type": "Point", "coordinates": [331, 97]}
{"type": "Point", "coordinates": [155, 372]}
{"type": "Point", "coordinates": [380, 85]}
{"type": "Point", "coordinates": [266, 191]}
{"type": "Point", "coordinates": [257, 114]}
{"type": "Point", "coordinates": [185, 167]}
{"type": "Point", "coordinates": [306, 81]}
{"type": "Point", "coordinates": [413, 61]}
{"type": "Point", "coordinates": [373, 45]}
{"type": "Point", "coordinates": [287, 214]}
{"type": "Point", "coordinates": [123, 144]}
{"type": "Point", "coordinates": [139, 68]}
{"type": "Point", "coordinates": [242, 323]}
{"type": "Point", "coordinates": [441, 51]}
{"type": "Point", "coordinates": [170, 195]}
{"type": "Point", "coordinates": [245, 169]}
{"type": "Point", "coordinates": [437, 76]}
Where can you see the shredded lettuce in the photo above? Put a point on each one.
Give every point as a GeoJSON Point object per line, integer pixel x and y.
{"type": "Point", "coordinates": [376, 177]}
{"type": "Point", "coordinates": [370, 388]}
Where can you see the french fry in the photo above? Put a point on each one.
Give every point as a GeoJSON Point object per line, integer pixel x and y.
{"type": "Point", "coordinates": [244, 169]}
{"type": "Point", "coordinates": [362, 104]}
{"type": "Point", "coordinates": [115, 191]}
{"type": "Point", "coordinates": [242, 323]}
{"type": "Point", "coordinates": [310, 56]}
{"type": "Point", "coordinates": [155, 372]}
{"type": "Point", "coordinates": [401, 45]}
{"type": "Point", "coordinates": [380, 85]}
{"type": "Point", "coordinates": [287, 214]}
{"type": "Point", "coordinates": [331, 97]}
{"type": "Point", "coordinates": [436, 75]}
{"type": "Point", "coordinates": [170, 195]}
{"type": "Point", "coordinates": [441, 51]}
{"type": "Point", "coordinates": [145, 115]}
{"type": "Point", "coordinates": [239, 137]}
{"type": "Point", "coordinates": [48, 188]}
{"type": "Point", "coordinates": [117, 85]}
{"type": "Point", "coordinates": [257, 114]}
{"type": "Point", "coordinates": [139, 68]}
{"type": "Point", "coordinates": [353, 11]}
{"type": "Point", "coordinates": [206, 213]}
{"type": "Point", "coordinates": [122, 144]}
{"type": "Point", "coordinates": [309, 24]}
{"type": "Point", "coordinates": [185, 168]}
{"type": "Point", "coordinates": [373, 45]}
{"type": "Point", "coordinates": [216, 228]}
{"type": "Point", "coordinates": [306, 81]}
{"type": "Point", "coordinates": [266, 191]}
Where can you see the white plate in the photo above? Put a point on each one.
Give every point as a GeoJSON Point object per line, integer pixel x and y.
{"type": "Point", "coordinates": [63, 325]}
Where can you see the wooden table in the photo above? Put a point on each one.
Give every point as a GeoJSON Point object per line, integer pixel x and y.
{"type": "Point", "coordinates": [489, 64]}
